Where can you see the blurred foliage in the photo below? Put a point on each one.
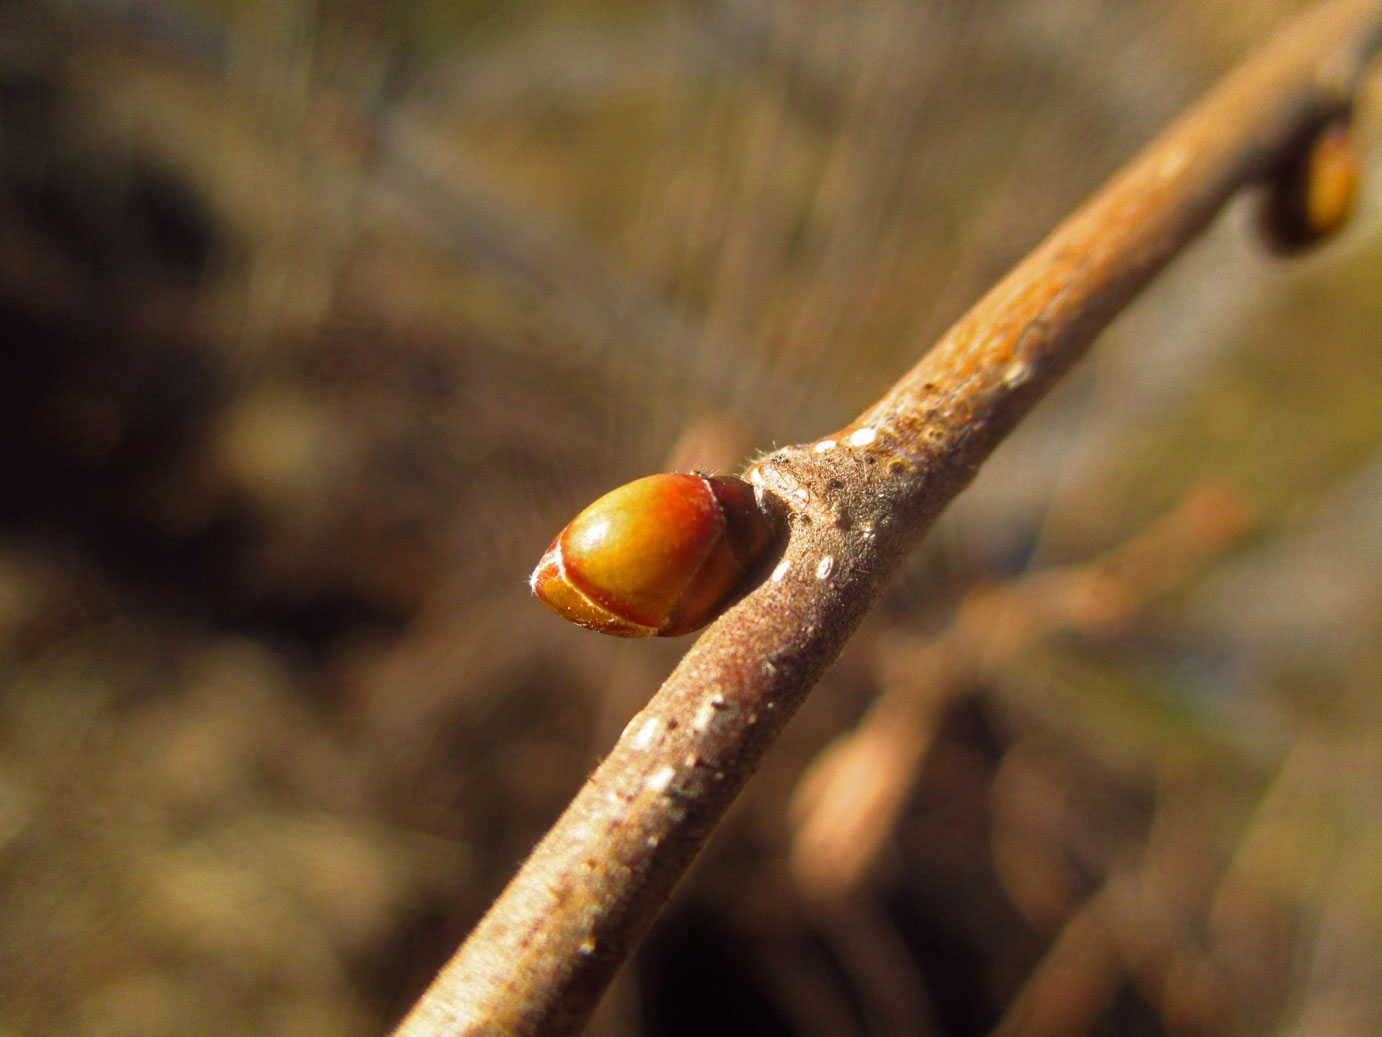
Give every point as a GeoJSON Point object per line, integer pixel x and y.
{"type": "Point", "coordinates": [316, 323]}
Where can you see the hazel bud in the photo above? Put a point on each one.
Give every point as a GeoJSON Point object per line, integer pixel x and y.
{"type": "Point", "coordinates": [1312, 194]}
{"type": "Point", "coordinates": [661, 555]}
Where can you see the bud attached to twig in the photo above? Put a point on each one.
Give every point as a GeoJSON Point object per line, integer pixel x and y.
{"type": "Point", "coordinates": [661, 555]}
{"type": "Point", "coordinates": [1312, 194]}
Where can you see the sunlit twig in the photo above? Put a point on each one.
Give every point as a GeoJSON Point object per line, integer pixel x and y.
{"type": "Point", "coordinates": [858, 501]}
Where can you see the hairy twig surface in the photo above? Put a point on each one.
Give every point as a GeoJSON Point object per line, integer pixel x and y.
{"type": "Point", "coordinates": [857, 502]}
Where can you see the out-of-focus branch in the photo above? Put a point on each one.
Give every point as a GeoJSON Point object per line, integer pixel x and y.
{"type": "Point", "coordinates": [850, 798]}
{"type": "Point", "coordinates": [857, 502]}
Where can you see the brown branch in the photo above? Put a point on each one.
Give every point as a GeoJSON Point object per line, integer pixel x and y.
{"type": "Point", "coordinates": [857, 502]}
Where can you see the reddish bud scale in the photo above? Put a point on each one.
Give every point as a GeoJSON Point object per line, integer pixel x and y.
{"type": "Point", "coordinates": [1311, 196]}
{"type": "Point", "coordinates": [661, 555]}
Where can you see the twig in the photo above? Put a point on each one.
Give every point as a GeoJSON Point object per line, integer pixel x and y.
{"type": "Point", "coordinates": [857, 502]}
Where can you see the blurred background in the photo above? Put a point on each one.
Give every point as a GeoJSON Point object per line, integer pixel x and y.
{"type": "Point", "coordinates": [318, 320]}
